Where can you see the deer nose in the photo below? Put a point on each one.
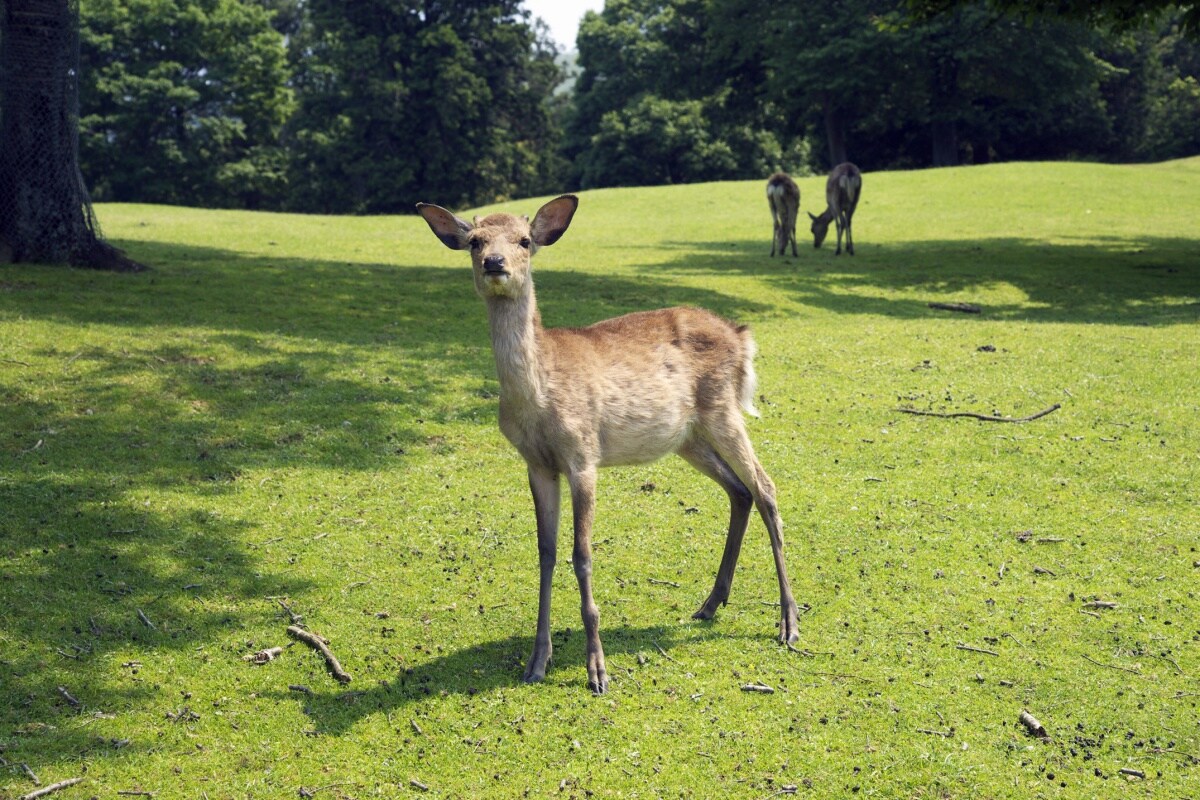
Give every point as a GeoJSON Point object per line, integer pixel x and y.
{"type": "Point", "coordinates": [493, 265]}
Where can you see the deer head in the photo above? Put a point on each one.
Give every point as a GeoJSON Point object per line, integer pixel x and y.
{"type": "Point", "coordinates": [501, 245]}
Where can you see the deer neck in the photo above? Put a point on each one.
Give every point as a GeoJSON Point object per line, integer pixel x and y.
{"type": "Point", "coordinates": [516, 328]}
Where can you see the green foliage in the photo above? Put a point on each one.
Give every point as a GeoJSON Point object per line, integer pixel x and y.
{"type": "Point", "coordinates": [182, 101]}
{"type": "Point", "coordinates": [401, 102]}
{"type": "Point", "coordinates": [655, 105]}
{"type": "Point", "coordinates": [304, 408]}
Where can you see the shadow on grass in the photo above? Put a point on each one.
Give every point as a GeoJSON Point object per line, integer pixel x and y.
{"type": "Point", "coordinates": [492, 666]}
{"type": "Point", "coordinates": [1149, 281]}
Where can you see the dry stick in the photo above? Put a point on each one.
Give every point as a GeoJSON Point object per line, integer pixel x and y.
{"type": "Point", "coordinates": [984, 417]}
{"type": "Point", "coordinates": [1111, 666]}
{"type": "Point", "coordinates": [1035, 727]}
{"type": "Point", "coordinates": [32, 775]}
{"type": "Point", "coordinates": [968, 648]}
{"type": "Point", "coordinates": [761, 688]}
{"type": "Point", "coordinates": [66, 695]}
{"type": "Point", "coordinates": [1133, 773]}
{"type": "Point", "coordinates": [317, 642]}
{"type": "Point", "coordinates": [296, 618]}
{"type": "Point", "coordinates": [54, 787]}
{"type": "Point", "coordinates": [663, 583]}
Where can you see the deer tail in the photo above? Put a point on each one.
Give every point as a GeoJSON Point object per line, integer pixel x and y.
{"type": "Point", "coordinates": [747, 378]}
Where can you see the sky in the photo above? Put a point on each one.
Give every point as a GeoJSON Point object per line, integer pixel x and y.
{"type": "Point", "coordinates": [563, 17]}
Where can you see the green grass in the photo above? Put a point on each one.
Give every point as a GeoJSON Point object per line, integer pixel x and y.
{"type": "Point", "coordinates": [305, 408]}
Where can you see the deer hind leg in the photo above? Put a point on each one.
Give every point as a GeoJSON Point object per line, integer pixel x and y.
{"type": "Point", "coordinates": [775, 226]}
{"type": "Point", "coordinates": [732, 444]}
{"type": "Point", "coordinates": [849, 234]}
{"type": "Point", "coordinates": [546, 504]}
{"type": "Point", "coordinates": [704, 458]}
{"type": "Point", "coordinates": [583, 503]}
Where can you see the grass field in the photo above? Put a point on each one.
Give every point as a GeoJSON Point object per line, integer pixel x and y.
{"type": "Point", "coordinates": [303, 409]}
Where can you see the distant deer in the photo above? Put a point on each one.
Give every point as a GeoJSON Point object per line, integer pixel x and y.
{"type": "Point", "coordinates": [842, 190]}
{"type": "Point", "coordinates": [624, 391]}
{"type": "Point", "coordinates": [783, 196]}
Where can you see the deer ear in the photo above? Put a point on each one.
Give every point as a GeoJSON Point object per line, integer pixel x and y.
{"type": "Point", "coordinates": [553, 219]}
{"type": "Point", "coordinates": [810, 216]}
{"type": "Point", "coordinates": [447, 227]}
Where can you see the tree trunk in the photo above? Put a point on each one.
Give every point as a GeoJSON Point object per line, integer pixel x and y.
{"type": "Point", "coordinates": [835, 130]}
{"type": "Point", "coordinates": [45, 212]}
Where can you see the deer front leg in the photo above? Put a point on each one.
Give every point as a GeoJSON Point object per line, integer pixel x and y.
{"type": "Point", "coordinates": [546, 503]}
{"type": "Point", "coordinates": [583, 504]}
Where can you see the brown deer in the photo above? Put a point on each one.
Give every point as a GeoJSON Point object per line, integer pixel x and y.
{"type": "Point", "coordinates": [624, 391]}
{"type": "Point", "coordinates": [783, 196]}
{"type": "Point", "coordinates": [842, 190]}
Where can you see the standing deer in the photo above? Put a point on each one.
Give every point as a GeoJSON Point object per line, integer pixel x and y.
{"type": "Point", "coordinates": [624, 391]}
{"type": "Point", "coordinates": [842, 190]}
{"type": "Point", "coordinates": [783, 196]}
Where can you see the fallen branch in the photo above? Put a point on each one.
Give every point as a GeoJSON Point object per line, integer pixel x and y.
{"type": "Point", "coordinates": [984, 417]}
{"type": "Point", "coordinates": [263, 656]}
{"type": "Point", "coordinates": [966, 308]}
{"type": "Point", "coordinates": [1100, 604]}
{"type": "Point", "coordinates": [969, 649]}
{"type": "Point", "coordinates": [1133, 773]}
{"type": "Point", "coordinates": [316, 642]}
{"type": "Point", "coordinates": [54, 787]}
{"type": "Point", "coordinates": [1112, 666]}
{"type": "Point", "coordinates": [1035, 727]}
{"type": "Point", "coordinates": [66, 695]}
{"type": "Point", "coordinates": [761, 688]}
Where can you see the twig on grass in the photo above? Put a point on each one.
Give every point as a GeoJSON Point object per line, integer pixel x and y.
{"type": "Point", "coordinates": [969, 649]}
{"type": "Point", "coordinates": [1031, 722]}
{"type": "Point", "coordinates": [663, 652]}
{"type": "Point", "coordinates": [30, 774]}
{"type": "Point", "coordinates": [263, 656]}
{"type": "Point", "coordinates": [761, 688]}
{"type": "Point", "coordinates": [657, 582]}
{"type": "Point", "coordinates": [1112, 666]}
{"type": "Point", "coordinates": [944, 734]}
{"type": "Point", "coordinates": [316, 642]}
{"type": "Point", "coordinates": [1100, 604]}
{"type": "Point", "coordinates": [295, 618]}
{"type": "Point", "coordinates": [1133, 773]}
{"type": "Point", "coordinates": [984, 417]}
{"type": "Point", "coordinates": [54, 787]}
{"type": "Point", "coordinates": [142, 616]}
{"type": "Point", "coordinates": [66, 695]}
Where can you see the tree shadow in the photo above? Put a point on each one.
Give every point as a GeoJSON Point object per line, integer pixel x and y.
{"type": "Point", "coordinates": [1114, 280]}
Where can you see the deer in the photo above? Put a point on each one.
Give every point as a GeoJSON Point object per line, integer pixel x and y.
{"type": "Point", "coordinates": [783, 196]}
{"type": "Point", "coordinates": [842, 190]}
{"type": "Point", "coordinates": [626, 390]}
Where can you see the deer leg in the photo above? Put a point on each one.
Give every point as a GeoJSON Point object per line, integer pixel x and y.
{"type": "Point", "coordinates": [702, 456]}
{"type": "Point", "coordinates": [546, 505]}
{"type": "Point", "coordinates": [849, 236]}
{"type": "Point", "coordinates": [733, 446]}
{"type": "Point", "coordinates": [583, 504]}
{"type": "Point", "coordinates": [838, 221]}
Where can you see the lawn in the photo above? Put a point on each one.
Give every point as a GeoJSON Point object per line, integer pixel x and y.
{"type": "Point", "coordinates": [296, 416]}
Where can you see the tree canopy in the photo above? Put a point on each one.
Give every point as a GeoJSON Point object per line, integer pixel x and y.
{"type": "Point", "coordinates": [367, 107]}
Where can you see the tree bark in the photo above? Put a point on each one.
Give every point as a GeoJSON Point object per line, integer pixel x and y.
{"type": "Point", "coordinates": [835, 130]}
{"type": "Point", "coordinates": [45, 211]}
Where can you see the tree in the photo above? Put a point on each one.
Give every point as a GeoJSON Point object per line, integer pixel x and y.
{"type": "Point", "coordinates": [413, 100]}
{"type": "Point", "coordinates": [656, 103]}
{"type": "Point", "coordinates": [1120, 15]}
{"type": "Point", "coordinates": [183, 102]}
{"type": "Point", "coordinates": [45, 210]}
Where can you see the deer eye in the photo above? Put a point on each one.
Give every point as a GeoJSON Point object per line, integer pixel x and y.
{"type": "Point", "coordinates": [474, 243]}
{"type": "Point", "coordinates": [525, 242]}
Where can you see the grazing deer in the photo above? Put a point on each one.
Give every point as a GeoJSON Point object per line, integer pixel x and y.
{"type": "Point", "coordinates": [783, 196]}
{"type": "Point", "coordinates": [842, 190]}
{"type": "Point", "coordinates": [624, 391]}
